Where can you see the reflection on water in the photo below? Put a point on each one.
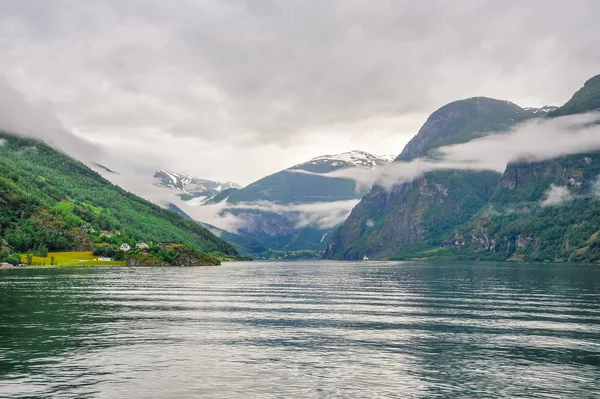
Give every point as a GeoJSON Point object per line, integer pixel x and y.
{"type": "Point", "coordinates": [302, 329]}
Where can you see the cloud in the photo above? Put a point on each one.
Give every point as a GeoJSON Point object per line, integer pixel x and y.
{"type": "Point", "coordinates": [556, 196]}
{"type": "Point", "coordinates": [596, 187]}
{"type": "Point", "coordinates": [23, 118]}
{"type": "Point", "coordinates": [283, 80]}
{"type": "Point", "coordinates": [322, 215]}
{"type": "Point", "coordinates": [2, 142]}
{"type": "Point", "coordinates": [533, 140]}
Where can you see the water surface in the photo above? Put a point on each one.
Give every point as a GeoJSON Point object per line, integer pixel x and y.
{"type": "Point", "coordinates": [302, 329]}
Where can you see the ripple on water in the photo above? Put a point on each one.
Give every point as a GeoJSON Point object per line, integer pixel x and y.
{"type": "Point", "coordinates": [302, 329]}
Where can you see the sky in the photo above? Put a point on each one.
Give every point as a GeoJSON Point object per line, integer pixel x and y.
{"type": "Point", "coordinates": [236, 90]}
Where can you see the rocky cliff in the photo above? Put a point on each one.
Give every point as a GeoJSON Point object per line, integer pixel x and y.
{"type": "Point", "coordinates": [538, 211]}
{"type": "Point", "coordinates": [420, 213]}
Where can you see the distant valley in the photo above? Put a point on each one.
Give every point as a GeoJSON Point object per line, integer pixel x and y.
{"type": "Point", "coordinates": [295, 209]}
{"type": "Point", "coordinates": [443, 214]}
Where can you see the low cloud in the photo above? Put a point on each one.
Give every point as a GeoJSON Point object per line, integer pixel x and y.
{"type": "Point", "coordinates": [23, 118]}
{"type": "Point", "coordinates": [364, 178]}
{"type": "Point", "coordinates": [322, 215]}
{"type": "Point", "coordinates": [533, 140]}
{"type": "Point", "coordinates": [557, 196]}
{"type": "Point", "coordinates": [596, 187]}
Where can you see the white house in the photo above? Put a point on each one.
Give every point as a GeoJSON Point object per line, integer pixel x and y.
{"type": "Point", "coordinates": [141, 245]}
{"type": "Point", "coordinates": [101, 259]}
{"type": "Point", "coordinates": [125, 247]}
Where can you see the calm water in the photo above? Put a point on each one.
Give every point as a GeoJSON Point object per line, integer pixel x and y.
{"type": "Point", "coordinates": [302, 329]}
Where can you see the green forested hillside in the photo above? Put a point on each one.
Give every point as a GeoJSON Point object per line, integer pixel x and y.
{"type": "Point", "coordinates": [536, 211]}
{"type": "Point", "coordinates": [518, 224]}
{"type": "Point", "coordinates": [419, 214]}
{"type": "Point", "coordinates": [49, 200]}
{"type": "Point", "coordinates": [585, 99]}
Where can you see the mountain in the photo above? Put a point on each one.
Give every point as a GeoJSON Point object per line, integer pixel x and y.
{"type": "Point", "coordinates": [293, 209]}
{"type": "Point", "coordinates": [52, 201]}
{"type": "Point", "coordinates": [292, 186]}
{"type": "Point", "coordinates": [541, 211]}
{"type": "Point", "coordinates": [190, 186]}
{"type": "Point", "coordinates": [585, 99]}
{"type": "Point", "coordinates": [462, 121]}
{"type": "Point", "coordinates": [246, 246]}
{"type": "Point", "coordinates": [541, 112]}
{"type": "Point", "coordinates": [420, 213]}
{"type": "Point", "coordinates": [281, 212]}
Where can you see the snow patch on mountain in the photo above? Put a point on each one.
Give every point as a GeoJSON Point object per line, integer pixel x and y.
{"type": "Point", "coordinates": [191, 185]}
{"type": "Point", "coordinates": [356, 159]}
{"type": "Point", "coordinates": [543, 111]}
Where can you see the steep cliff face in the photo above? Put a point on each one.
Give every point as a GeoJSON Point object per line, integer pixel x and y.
{"type": "Point", "coordinates": [543, 211]}
{"type": "Point", "coordinates": [421, 213]}
{"type": "Point", "coordinates": [411, 215]}
{"type": "Point", "coordinates": [539, 211]}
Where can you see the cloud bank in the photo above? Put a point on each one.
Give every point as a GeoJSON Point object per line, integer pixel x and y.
{"type": "Point", "coordinates": [322, 215]}
{"type": "Point", "coordinates": [533, 140]}
{"type": "Point", "coordinates": [278, 82]}
{"type": "Point", "coordinates": [23, 118]}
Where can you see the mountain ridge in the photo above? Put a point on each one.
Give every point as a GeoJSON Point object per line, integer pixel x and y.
{"type": "Point", "coordinates": [280, 197]}
{"type": "Point", "coordinates": [191, 186]}
{"type": "Point", "coordinates": [453, 214]}
{"type": "Point", "coordinates": [52, 201]}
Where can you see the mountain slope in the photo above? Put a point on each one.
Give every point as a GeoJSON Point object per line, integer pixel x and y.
{"type": "Point", "coordinates": [541, 211]}
{"type": "Point", "coordinates": [51, 200]}
{"type": "Point", "coordinates": [420, 213]}
{"type": "Point", "coordinates": [538, 211]}
{"type": "Point", "coordinates": [296, 208]}
{"type": "Point", "coordinates": [292, 186]}
{"type": "Point", "coordinates": [585, 99]}
{"type": "Point", "coordinates": [190, 186]}
{"type": "Point", "coordinates": [462, 121]}
{"type": "Point", "coordinates": [246, 246]}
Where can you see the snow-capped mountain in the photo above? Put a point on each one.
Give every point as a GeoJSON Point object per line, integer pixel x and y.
{"type": "Point", "coordinates": [540, 112]}
{"type": "Point", "coordinates": [352, 159]}
{"type": "Point", "coordinates": [278, 211]}
{"type": "Point", "coordinates": [191, 185]}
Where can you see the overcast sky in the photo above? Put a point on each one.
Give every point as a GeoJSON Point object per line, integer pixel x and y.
{"type": "Point", "coordinates": [235, 90]}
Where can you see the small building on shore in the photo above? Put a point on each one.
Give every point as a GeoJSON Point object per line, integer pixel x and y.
{"type": "Point", "coordinates": [125, 247]}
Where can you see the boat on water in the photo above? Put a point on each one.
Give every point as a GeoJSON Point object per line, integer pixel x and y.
{"type": "Point", "coordinates": [365, 258]}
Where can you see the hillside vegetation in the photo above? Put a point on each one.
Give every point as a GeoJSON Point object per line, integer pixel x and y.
{"type": "Point", "coordinates": [419, 214]}
{"type": "Point", "coordinates": [51, 202]}
{"type": "Point", "coordinates": [534, 211]}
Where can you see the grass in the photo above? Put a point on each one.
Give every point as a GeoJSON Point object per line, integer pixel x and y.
{"type": "Point", "coordinates": [71, 259]}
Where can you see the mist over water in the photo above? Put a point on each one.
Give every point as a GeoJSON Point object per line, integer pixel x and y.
{"type": "Point", "coordinates": [302, 329]}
